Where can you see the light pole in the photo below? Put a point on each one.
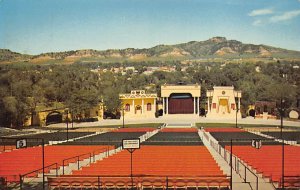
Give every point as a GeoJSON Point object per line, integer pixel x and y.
{"type": "Point", "coordinates": [281, 137]}
{"type": "Point", "coordinates": [123, 116]}
{"type": "Point", "coordinates": [67, 119]}
{"type": "Point", "coordinates": [236, 113]}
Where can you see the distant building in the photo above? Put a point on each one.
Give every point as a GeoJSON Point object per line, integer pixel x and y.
{"type": "Point", "coordinates": [265, 109]}
{"type": "Point", "coordinates": [223, 101]}
{"type": "Point", "coordinates": [58, 115]}
{"type": "Point", "coordinates": [138, 103]}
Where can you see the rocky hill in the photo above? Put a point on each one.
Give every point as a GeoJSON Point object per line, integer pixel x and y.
{"type": "Point", "coordinates": [217, 47]}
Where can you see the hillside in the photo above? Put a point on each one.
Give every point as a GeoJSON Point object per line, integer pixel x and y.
{"type": "Point", "coordinates": [217, 47]}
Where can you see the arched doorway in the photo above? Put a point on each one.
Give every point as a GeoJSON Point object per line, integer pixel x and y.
{"type": "Point", "coordinates": [138, 109]}
{"type": "Point", "coordinates": [252, 113]}
{"type": "Point", "coordinates": [181, 103]}
{"type": "Point", "coordinates": [54, 117]}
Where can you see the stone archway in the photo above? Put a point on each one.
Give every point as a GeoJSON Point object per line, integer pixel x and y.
{"type": "Point", "coordinates": [252, 113]}
{"type": "Point", "coordinates": [54, 117]}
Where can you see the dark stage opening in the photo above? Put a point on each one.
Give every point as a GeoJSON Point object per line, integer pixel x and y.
{"type": "Point", "coordinates": [181, 103]}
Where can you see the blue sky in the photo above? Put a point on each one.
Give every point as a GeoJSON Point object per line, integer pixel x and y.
{"type": "Point", "coordinates": [36, 26]}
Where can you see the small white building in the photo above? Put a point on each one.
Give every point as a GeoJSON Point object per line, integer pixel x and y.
{"type": "Point", "coordinates": [223, 101]}
{"type": "Point", "coordinates": [138, 103]}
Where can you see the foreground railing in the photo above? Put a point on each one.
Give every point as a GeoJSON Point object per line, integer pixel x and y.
{"type": "Point", "coordinates": [138, 182]}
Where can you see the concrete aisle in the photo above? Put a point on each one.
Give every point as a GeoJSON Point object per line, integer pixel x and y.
{"type": "Point", "coordinates": [238, 182]}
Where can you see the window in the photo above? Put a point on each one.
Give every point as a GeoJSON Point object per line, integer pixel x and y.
{"type": "Point", "coordinates": [127, 107]}
{"type": "Point", "coordinates": [149, 107]}
{"type": "Point", "coordinates": [214, 105]}
{"type": "Point", "coordinates": [233, 106]}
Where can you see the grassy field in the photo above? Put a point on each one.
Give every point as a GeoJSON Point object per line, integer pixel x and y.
{"type": "Point", "coordinates": [225, 125]}
{"type": "Point", "coordinates": [151, 125]}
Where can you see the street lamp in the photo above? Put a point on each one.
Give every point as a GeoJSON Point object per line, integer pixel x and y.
{"type": "Point", "coordinates": [236, 113]}
{"type": "Point", "coordinates": [123, 116]}
{"type": "Point", "coordinates": [67, 119]}
{"type": "Point", "coordinates": [281, 137]}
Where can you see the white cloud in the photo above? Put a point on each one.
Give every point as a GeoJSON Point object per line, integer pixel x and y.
{"type": "Point", "coordinates": [285, 16]}
{"type": "Point", "coordinates": [257, 23]}
{"type": "Point", "coordinates": [259, 12]}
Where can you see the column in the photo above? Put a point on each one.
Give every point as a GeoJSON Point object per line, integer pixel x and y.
{"type": "Point", "coordinates": [142, 105]}
{"type": "Point", "coordinates": [154, 105]}
{"type": "Point", "coordinates": [194, 105]}
{"type": "Point", "coordinates": [239, 104]}
{"type": "Point", "coordinates": [164, 108]}
{"type": "Point", "coordinates": [167, 103]}
{"type": "Point", "coordinates": [198, 105]}
{"type": "Point", "coordinates": [208, 105]}
{"type": "Point", "coordinates": [133, 107]}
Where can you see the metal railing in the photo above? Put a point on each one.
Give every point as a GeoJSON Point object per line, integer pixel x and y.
{"type": "Point", "coordinates": [139, 181]}
{"type": "Point", "coordinates": [245, 173]}
{"type": "Point", "coordinates": [37, 171]}
{"type": "Point", "coordinates": [78, 160]}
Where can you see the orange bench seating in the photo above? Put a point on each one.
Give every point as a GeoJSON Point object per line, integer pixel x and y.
{"type": "Point", "coordinates": [191, 164]}
{"type": "Point", "coordinates": [22, 161]}
{"type": "Point", "coordinates": [267, 160]}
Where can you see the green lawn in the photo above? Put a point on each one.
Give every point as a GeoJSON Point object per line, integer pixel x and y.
{"type": "Point", "coordinates": [151, 125]}
{"type": "Point", "coordinates": [225, 125]}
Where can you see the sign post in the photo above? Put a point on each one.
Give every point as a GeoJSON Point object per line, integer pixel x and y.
{"type": "Point", "coordinates": [131, 145]}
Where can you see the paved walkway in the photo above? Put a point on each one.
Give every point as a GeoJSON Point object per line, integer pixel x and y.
{"type": "Point", "coordinates": [237, 177]}
{"type": "Point", "coordinates": [181, 118]}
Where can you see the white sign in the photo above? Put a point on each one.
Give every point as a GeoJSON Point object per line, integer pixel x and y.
{"type": "Point", "coordinates": [256, 143]}
{"type": "Point", "coordinates": [131, 143]}
{"type": "Point", "coordinates": [21, 143]}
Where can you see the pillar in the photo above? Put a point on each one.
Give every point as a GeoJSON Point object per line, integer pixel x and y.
{"type": "Point", "coordinates": [164, 107]}
{"type": "Point", "coordinates": [198, 105]}
{"type": "Point", "coordinates": [154, 105]}
{"type": "Point", "coordinates": [194, 105]}
{"type": "Point", "coordinates": [239, 104]}
{"type": "Point", "coordinates": [167, 103]}
{"type": "Point", "coordinates": [208, 105]}
{"type": "Point", "coordinates": [133, 106]}
{"type": "Point", "coordinates": [142, 105]}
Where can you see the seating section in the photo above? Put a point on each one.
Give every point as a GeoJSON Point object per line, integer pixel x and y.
{"type": "Point", "coordinates": [267, 160]}
{"type": "Point", "coordinates": [174, 138]}
{"type": "Point", "coordinates": [56, 136]}
{"type": "Point", "coordinates": [110, 138]}
{"type": "Point", "coordinates": [188, 165]}
{"type": "Point", "coordinates": [240, 138]}
{"type": "Point", "coordinates": [22, 161]}
{"type": "Point", "coordinates": [126, 130]}
{"type": "Point", "coordinates": [287, 135]}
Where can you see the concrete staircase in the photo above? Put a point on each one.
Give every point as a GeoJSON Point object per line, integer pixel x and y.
{"type": "Point", "coordinates": [238, 176]}
{"type": "Point", "coordinates": [180, 125]}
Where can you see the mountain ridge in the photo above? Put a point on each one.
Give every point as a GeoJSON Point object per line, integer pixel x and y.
{"type": "Point", "coordinates": [216, 47]}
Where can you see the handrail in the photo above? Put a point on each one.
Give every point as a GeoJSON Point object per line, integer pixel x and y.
{"type": "Point", "coordinates": [22, 176]}
{"type": "Point", "coordinates": [138, 179]}
{"type": "Point", "coordinates": [41, 169]}
{"type": "Point", "coordinates": [107, 150]}
{"type": "Point", "coordinates": [145, 175]}
{"type": "Point", "coordinates": [247, 169]}
{"type": "Point", "coordinates": [78, 156]}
